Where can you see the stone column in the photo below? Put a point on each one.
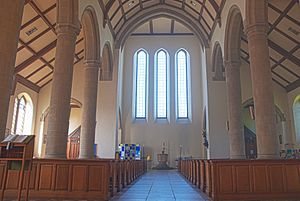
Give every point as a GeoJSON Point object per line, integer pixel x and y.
{"type": "Point", "coordinates": [67, 30]}
{"type": "Point", "coordinates": [11, 13]}
{"type": "Point", "coordinates": [234, 99]}
{"type": "Point", "coordinates": [256, 30]}
{"type": "Point", "coordinates": [88, 123]}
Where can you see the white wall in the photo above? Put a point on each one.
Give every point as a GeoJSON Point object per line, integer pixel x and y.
{"type": "Point", "coordinates": [106, 127]}
{"type": "Point", "coordinates": [152, 134]}
{"type": "Point", "coordinates": [216, 105]}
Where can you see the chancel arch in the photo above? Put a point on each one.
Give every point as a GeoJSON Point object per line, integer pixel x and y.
{"type": "Point", "coordinates": [160, 11]}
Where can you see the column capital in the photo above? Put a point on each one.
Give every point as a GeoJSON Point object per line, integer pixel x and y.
{"type": "Point", "coordinates": [232, 64]}
{"type": "Point", "coordinates": [92, 63]}
{"type": "Point", "coordinates": [67, 28]}
{"type": "Point", "coordinates": [256, 29]}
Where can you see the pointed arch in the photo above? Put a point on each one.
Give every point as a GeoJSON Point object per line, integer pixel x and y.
{"type": "Point", "coordinates": [106, 63]}
{"type": "Point", "coordinates": [296, 114]}
{"type": "Point", "coordinates": [218, 63]}
{"type": "Point", "coordinates": [233, 35]}
{"type": "Point", "coordinates": [140, 86]}
{"type": "Point", "coordinates": [161, 83]}
{"type": "Point", "coordinates": [91, 34]}
{"type": "Point", "coordinates": [182, 85]}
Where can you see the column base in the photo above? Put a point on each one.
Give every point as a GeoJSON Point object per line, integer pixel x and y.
{"type": "Point", "coordinates": [86, 157]}
{"type": "Point", "coordinates": [61, 156]}
{"type": "Point", "coordinates": [267, 156]}
{"type": "Point", "coordinates": [237, 157]}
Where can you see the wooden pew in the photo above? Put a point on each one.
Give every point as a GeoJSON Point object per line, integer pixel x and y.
{"type": "Point", "coordinates": [74, 179]}
{"type": "Point", "coordinates": [247, 179]}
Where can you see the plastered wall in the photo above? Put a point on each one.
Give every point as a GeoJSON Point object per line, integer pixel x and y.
{"type": "Point", "coordinates": [152, 134]}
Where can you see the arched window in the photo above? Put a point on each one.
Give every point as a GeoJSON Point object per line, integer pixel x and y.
{"type": "Point", "coordinates": [22, 116]}
{"type": "Point", "coordinates": [161, 84]}
{"type": "Point", "coordinates": [296, 110]}
{"type": "Point", "coordinates": [182, 85]}
{"type": "Point", "coordinates": [141, 84]}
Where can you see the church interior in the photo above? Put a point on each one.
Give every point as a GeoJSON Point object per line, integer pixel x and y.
{"type": "Point", "coordinates": [150, 100]}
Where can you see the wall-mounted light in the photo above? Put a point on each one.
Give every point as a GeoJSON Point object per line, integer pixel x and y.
{"type": "Point", "coordinates": [130, 3]}
{"type": "Point", "coordinates": [193, 3]}
{"type": "Point", "coordinates": [251, 110]}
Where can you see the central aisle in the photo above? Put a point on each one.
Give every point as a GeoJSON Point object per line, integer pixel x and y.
{"type": "Point", "coordinates": [164, 185]}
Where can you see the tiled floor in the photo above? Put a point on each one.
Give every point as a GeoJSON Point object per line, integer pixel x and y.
{"type": "Point", "coordinates": [160, 186]}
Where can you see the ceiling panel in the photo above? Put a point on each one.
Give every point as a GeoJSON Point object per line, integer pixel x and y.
{"type": "Point", "coordinates": [162, 25]}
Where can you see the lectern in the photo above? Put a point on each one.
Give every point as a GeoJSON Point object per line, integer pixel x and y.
{"type": "Point", "coordinates": [17, 152]}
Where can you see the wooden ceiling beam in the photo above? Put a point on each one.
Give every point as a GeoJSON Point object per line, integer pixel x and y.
{"type": "Point", "coordinates": [151, 27]}
{"type": "Point", "coordinates": [287, 16]}
{"type": "Point", "coordinates": [43, 78]}
{"type": "Point", "coordinates": [277, 82]}
{"type": "Point", "coordinates": [172, 26]}
{"type": "Point", "coordinates": [217, 19]}
{"type": "Point", "coordinates": [40, 13]}
{"type": "Point", "coordinates": [283, 14]}
{"type": "Point", "coordinates": [35, 38]}
{"type": "Point", "coordinates": [109, 4]}
{"type": "Point", "coordinates": [27, 83]}
{"type": "Point", "coordinates": [201, 10]}
{"type": "Point", "coordinates": [38, 69]}
{"type": "Point", "coordinates": [35, 57]}
{"type": "Point", "coordinates": [34, 53]}
{"type": "Point", "coordinates": [50, 61]}
{"type": "Point", "coordinates": [122, 9]}
{"type": "Point", "coordinates": [141, 4]}
{"type": "Point", "coordinates": [106, 18]}
{"type": "Point", "coordinates": [284, 53]}
{"type": "Point", "coordinates": [293, 86]}
{"type": "Point", "coordinates": [46, 83]}
{"type": "Point", "coordinates": [38, 17]}
{"type": "Point", "coordinates": [214, 5]}
{"type": "Point", "coordinates": [277, 63]}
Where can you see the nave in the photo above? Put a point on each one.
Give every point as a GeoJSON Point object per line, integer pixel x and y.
{"type": "Point", "coordinates": [161, 185]}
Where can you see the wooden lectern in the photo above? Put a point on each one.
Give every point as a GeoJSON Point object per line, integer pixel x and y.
{"type": "Point", "coordinates": [17, 150]}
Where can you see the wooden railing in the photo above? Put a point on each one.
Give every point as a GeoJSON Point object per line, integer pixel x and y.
{"type": "Point", "coordinates": [74, 179]}
{"type": "Point", "coordinates": [244, 179]}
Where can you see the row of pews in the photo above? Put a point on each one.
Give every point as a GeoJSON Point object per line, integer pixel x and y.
{"type": "Point", "coordinates": [244, 179]}
{"type": "Point", "coordinates": [98, 179]}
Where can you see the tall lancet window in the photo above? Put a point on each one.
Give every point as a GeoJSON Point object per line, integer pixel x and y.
{"type": "Point", "coordinates": [161, 84]}
{"type": "Point", "coordinates": [182, 88]}
{"type": "Point", "coordinates": [22, 116]}
{"type": "Point", "coordinates": [141, 84]}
